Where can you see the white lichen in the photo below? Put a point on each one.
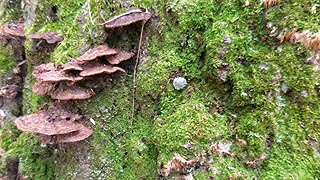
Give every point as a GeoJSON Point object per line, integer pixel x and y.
{"type": "Point", "coordinates": [179, 83]}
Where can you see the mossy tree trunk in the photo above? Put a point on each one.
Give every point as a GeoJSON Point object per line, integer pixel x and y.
{"type": "Point", "coordinates": [245, 88]}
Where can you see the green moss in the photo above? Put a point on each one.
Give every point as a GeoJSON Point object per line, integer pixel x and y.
{"type": "Point", "coordinates": [10, 11]}
{"type": "Point", "coordinates": [7, 61]}
{"type": "Point", "coordinates": [249, 104]}
{"type": "Point", "coordinates": [188, 123]}
{"type": "Point", "coordinates": [8, 135]}
{"type": "Point", "coordinates": [36, 162]}
{"type": "Point", "coordinates": [288, 15]}
{"type": "Point", "coordinates": [286, 164]}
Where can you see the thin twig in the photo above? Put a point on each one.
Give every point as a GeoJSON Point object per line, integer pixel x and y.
{"type": "Point", "coordinates": [134, 75]}
{"type": "Point", "coordinates": [89, 12]}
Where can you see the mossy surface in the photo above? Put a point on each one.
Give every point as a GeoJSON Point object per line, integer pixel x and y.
{"type": "Point", "coordinates": [10, 11]}
{"type": "Point", "coordinates": [7, 61]}
{"type": "Point", "coordinates": [252, 91]}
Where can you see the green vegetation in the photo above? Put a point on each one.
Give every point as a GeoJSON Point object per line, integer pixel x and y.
{"type": "Point", "coordinates": [251, 88]}
{"type": "Point", "coordinates": [7, 61]}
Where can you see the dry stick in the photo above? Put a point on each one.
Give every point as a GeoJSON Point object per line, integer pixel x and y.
{"type": "Point", "coordinates": [134, 74]}
{"type": "Point", "coordinates": [89, 12]}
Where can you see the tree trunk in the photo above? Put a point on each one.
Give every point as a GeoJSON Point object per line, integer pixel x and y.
{"type": "Point", "coordinates": [218, 90]}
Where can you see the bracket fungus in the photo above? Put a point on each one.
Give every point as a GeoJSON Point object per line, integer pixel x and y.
{"type": "Point", "coordinates": [99, 68]}
{"type": "Point", "coordinates": [94, 53]}
{"type": "Point", "coordinates": [50, 37]}
{"type": "Point", "coordinates": [9, 91]}
{"type": "Point", "coordinates": [73, 92]}
{"type": "Point", "coordinates": [12, 30]}
{"type": "Point", "coordinates": [70, 80]}
{"type": "Point", "coordinates": [127, 18]}
{"type": "Point", "coordinates": [53, 125]}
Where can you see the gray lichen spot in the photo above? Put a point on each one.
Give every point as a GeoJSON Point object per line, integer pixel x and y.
{"type": "Point", "coordinates": [179, 83]}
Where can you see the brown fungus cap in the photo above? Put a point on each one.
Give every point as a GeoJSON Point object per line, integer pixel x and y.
{"type": "Point", "coordinates": [100, 69]}
{"type": "Point", "coordinates": [91, 54]}
{"type": "Point", "coordinates": [49, 122]}
{"type": "Point", "coordinates": [49, 37]}
{"type": "Point", "coordinates": [13, 30]}
{"type": "Point", "coordinates": [75, 136]}
{"type": "Point", "coordinates": [9, 91]}
{"type": "Point", "coordinates": [118, 58]}
{"type": "Point", "coordinates": [127, 18]}
{"type": "Point", "coordinates": [43, 88]}
{"type": "Point", "coordinates": [38, 70]}
{"type": "Point", "coordinates": [72, 92]}
{"type": "Point", "coordinates": [72, 65]}
{"type": "Point", "coordinates": [58, 75]}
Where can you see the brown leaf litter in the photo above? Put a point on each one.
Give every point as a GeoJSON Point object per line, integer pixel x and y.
{"type": "Point", "coordinates": [269, 3]}
{"type": "Point", "coordinates": [221, 148]}
{"type": "Point", "coordinates": [180, 165]}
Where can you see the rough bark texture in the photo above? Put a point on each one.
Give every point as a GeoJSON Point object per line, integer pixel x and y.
{"type": "Point", "coordinates": [250, 109]}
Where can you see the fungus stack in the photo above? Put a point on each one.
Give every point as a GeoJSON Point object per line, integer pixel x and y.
{"type": "Point", "coordinates": [73, 80]}
{"type": "Point", "coordinates": [70, 81]}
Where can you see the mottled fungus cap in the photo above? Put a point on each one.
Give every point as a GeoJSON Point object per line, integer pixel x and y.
{"type": "Point", "coordinates": [52, 124]}
{"type": "Point", "coordinates": [13, 30]}
{"type": "Point", "coordinates": [49, 37]}
{"type": "Point", "coordinates": [43, 88]}
{"type": "Point", "coordinates": [49, 122]}
{"type": "Point", "coordinates": [127, 18]}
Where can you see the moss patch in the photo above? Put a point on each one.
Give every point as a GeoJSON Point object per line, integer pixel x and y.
{"type": "Point", "coordinates": [7, 61]}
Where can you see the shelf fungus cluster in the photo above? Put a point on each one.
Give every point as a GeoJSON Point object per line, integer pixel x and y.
{"type": "Point", "coordinates": [52, 124]}
{"type": "Point", "coordinates": [73, 80]}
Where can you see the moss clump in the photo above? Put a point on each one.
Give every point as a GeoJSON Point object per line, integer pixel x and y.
{"type": "Point", "coordinates": [287, 164]}
{"type": "Point", "coordinates": [7, 61]}
{"type": "Point", "coordinates": [190, 123]}
{"type": "Point", "coordinates": [301, 15]}
{"type": "Point", "coordinates": [35, 162]}
{"type": "Point", "coordinates": [10, 11]}
{"type": "Point", "coordinates": [8, 135]}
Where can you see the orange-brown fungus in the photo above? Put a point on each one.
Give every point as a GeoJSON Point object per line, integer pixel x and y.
{"type": "Point", "coordinates": [127, 18]}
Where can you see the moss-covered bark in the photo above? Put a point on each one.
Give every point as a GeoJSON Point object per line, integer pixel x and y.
{"type": "Point", "coordinates": [244, 87]}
